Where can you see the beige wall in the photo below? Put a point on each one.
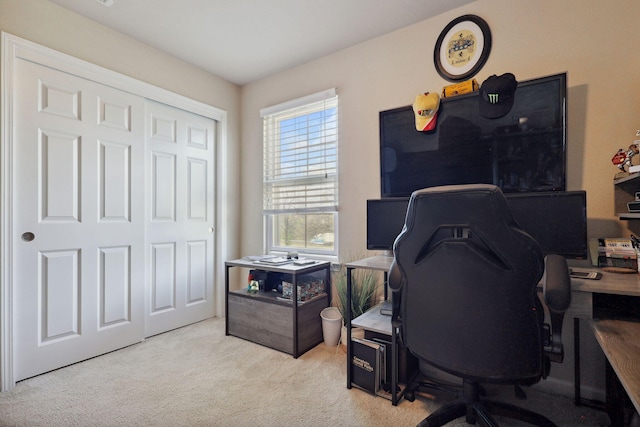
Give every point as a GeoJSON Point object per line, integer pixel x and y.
{"type": "Point", "coordinates": [50, 25]}
{"type": "Point", "coordinates": [591, 40]}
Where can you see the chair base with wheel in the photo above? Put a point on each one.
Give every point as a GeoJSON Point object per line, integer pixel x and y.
{"type": "Point", "coordinates": [478, 410]}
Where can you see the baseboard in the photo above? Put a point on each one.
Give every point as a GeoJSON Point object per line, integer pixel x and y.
{"type": "Point", "coordinates": [566, 388]}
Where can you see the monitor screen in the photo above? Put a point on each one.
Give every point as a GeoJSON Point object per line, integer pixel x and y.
{"type": "Point", "coordinates": [557, 220]}
{"type": "Point", "coordinates": [523, 151]}
{"type": "Point", "coordinates": [385, 219]}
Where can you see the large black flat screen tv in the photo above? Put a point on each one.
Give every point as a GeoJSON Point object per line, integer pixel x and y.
{"type": "Point", "coordinates": [523, 151]}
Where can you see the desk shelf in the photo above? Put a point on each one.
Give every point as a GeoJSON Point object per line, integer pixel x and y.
{"type": "Point", "coordinates": [377, 325]}
{"type": "Point", "coordinates": [625, 189]}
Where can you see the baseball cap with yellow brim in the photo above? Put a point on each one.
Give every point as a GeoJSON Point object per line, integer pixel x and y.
{"type": "Point", "coordinates": [425, 108]}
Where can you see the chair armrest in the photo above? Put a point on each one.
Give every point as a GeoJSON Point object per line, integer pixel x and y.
{"type": "Point", "coordinates": [395, 282]}
{"type": "Point", "coordinates": [556, 292]}
{"type": "Point", "coordinates": [394, 277]}
{"type": "Point", "coordinates": [556, 286]}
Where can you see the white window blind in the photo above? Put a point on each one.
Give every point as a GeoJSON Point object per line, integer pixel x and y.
{"type": "Point", "coordinates": [301, 155]}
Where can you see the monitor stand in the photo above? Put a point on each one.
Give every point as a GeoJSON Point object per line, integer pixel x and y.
{"type": "Point", "coordinates": [388, 253]}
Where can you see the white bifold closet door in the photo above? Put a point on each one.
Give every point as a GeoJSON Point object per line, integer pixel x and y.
{"type": "Point", "coordinates": [180, 237]}
{"type": "Point", "coordinates": [113, 215]}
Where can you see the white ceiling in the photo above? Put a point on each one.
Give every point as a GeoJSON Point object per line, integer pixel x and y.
{"type": "Point", "coordinates": [246, 40]}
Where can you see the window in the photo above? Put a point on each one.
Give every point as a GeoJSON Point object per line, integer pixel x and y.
{"type": "Point", "coordinates": [300, 181]}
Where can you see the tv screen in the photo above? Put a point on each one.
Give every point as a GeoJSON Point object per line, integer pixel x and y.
{"type": "Point", "coordinates": [557, 220]}
{"type": "Point", "coordinates": [523, 151]}
{"type": "Point", "coordinates": [385, 219]}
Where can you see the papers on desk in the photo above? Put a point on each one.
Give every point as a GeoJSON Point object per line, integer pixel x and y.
{"type": "Point", "coordinates": [619, 253]}
{"type": "Point", "coordinates": [259, 257]}
{"type": "Point", "coordinates": [280, 260]}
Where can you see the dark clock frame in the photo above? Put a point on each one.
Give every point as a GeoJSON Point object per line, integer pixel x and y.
{"type": "Point", "coordinates": [449, 73]}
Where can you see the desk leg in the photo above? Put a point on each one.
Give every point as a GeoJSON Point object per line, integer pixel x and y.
{"type": "Point", "coordinates": [328, 282]}
{"type": "Point", "coordinates": [348, 326]}
{"type": "Point", "coordinates": [294, 297]}
{"type": "Point", "coordinates": [394, 366]}
{"type": "Point", "coordinates": [578, 399]}
{"type": "Point", "coordinates": [226, 299]}
{"type": "Point", "coordinates": [576, 362]}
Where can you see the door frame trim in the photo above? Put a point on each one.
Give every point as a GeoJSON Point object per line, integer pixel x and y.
{"type": "Point", "coordinates": [14, 48]}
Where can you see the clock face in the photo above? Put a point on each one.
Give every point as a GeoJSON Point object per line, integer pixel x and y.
{"type": "Point", "coordinates": [462, 48]}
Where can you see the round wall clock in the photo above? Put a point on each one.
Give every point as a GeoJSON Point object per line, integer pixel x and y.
{"type": "Point", "coordinates": [462, 48]}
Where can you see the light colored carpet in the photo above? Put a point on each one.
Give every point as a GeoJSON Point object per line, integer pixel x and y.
{"type": "Point", "coordinates": [196, 376]}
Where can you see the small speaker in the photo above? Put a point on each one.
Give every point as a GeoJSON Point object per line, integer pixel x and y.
{"type": "Point", "coordinates": [633, 206]}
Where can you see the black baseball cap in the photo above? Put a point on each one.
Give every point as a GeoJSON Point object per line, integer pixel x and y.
{"type": "Point", "coordinates": [496, 95]}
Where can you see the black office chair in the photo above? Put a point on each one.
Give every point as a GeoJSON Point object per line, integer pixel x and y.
{"type": "Point", "coordinates": [464, 282]}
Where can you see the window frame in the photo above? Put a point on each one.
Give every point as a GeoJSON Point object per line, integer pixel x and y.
{"type": "Point", "coordinates": [271, 248]}
{"type": "Point", "coordinates": [269, 212]}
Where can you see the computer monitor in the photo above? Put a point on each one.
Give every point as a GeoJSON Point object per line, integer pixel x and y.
{"type": "Point", "coordinates": [557, 220]}
{"type": "Point", "coordinates": [385, 219]}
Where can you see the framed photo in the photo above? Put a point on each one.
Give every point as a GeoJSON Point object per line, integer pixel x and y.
{"type": "Point", "coordinates": [462, 48]}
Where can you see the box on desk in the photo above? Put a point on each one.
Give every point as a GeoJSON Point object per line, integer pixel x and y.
{"type": "Point", "coordinates": [307, 289]}
{"type": "Point", "coordinates": [622, 262]}
{"type": "Point", "coordinates": [617, 252]}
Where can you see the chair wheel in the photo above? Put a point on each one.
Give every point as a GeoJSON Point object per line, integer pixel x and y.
{"type": "Point", "coordinates": [410, 396]}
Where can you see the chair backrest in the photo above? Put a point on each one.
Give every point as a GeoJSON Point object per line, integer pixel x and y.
{"type": "Point", "coordinates": [469, 277]}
